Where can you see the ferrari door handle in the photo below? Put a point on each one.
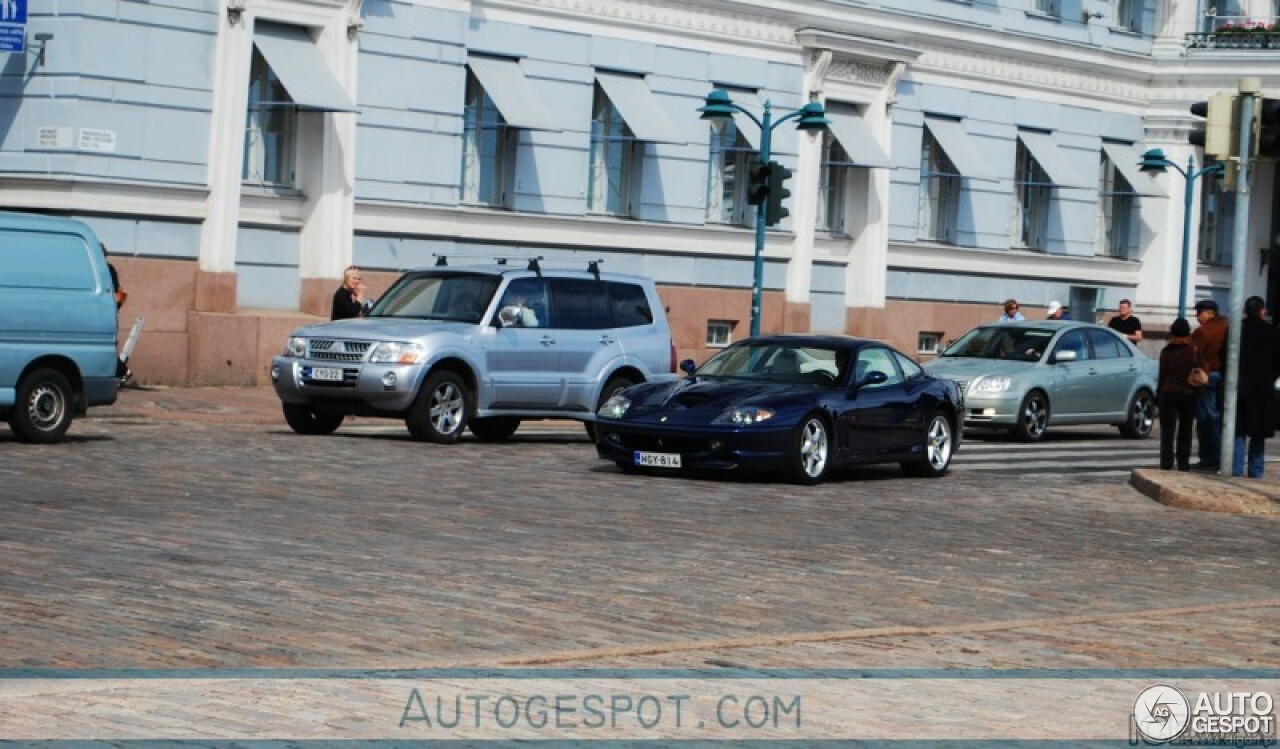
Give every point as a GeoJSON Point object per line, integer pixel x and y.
{"type": "Point", "coordinates": [547, 340]}
{"type": "Point", "coordinates": [605, 340]}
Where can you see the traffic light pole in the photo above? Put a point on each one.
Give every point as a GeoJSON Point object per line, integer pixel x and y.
{"type": "Point", "coordinates": [757, 281]}
{"type": "Point", "coordinates": [1249, 90]}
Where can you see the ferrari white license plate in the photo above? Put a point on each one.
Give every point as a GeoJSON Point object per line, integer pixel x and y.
{"type": "Point", "coordinates": [658, 460]}
{"type": "Point", "coordinates": [327, 374]}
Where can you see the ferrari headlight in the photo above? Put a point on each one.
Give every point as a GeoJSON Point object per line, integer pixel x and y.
{"type": "Point", "coordinates": [991, 384]}
{"type": "Point", "coordinates": [391, 352]}
{"type": "Point", "coordinates": [296, 347]}
{"type": "Point", "coordinates": [614, 408]}
{"type": "Point", "coordinates": [744, 416]}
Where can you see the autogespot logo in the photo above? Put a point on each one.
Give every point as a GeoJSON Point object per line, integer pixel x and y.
{"type": "Point", "coordinates": [1161, 712]}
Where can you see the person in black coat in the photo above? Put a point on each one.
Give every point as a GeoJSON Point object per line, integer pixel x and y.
{"type": "Point", "coordinates": [1177, 397]}
{"type": "Point", "coordinates": [348, 300]}
{"type": "Point", "coordinates": [1255, 388]}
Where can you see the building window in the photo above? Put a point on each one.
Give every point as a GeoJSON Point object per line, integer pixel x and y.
{"type": "Point", "coordinates": [1217, 222]}
{"type": "Point", "coordinates": [939, 192]}
{"type": "Point", "coordinates": [271, 127]}
{"type": "Point", "coordinates": [719, 333]}
{"type": "Point", "coordinates": [1047, 7]}
{"type": "Point", "coordinates": [1032, 191]}
{"type": "Point", "coordinates": [1129, 15]}
{"type": "Point", "coordinates": [833, 186]}
{"type": "Point", "coordinates": [1118, 207]}
{"type": "Point", "coordinates": [488, 149]}
{"type": "Point", "coordinates": [729, 176]}
{"type": "Point", "coordinates": [615, 160]}
{"type": "Point", "coordinates": [928, 342]}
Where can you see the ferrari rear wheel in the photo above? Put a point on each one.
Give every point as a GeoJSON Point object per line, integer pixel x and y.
{"type": "Point", "coordinates": [810, 446]}
{"type": "Point", "coordinates": [938, 448]}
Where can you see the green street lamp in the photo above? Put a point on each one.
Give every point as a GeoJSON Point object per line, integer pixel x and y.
{"type": "Point", "coordinates": [811, 118]}
{"type": "Point", "coordinates": [1155, 162]}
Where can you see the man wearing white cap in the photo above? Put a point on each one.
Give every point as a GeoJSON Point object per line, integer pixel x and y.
{"type": "Point", "coordinates": [1057, 311]}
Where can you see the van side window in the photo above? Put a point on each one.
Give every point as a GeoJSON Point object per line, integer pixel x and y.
{"type": "Point", "coordinates": [47, 261]}
{"type": "Point", "coordinates": [630, 305]}
{"type": "Point", "coordinates": [580, 304]}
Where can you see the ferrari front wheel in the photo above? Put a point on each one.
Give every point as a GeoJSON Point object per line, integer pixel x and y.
{"type": "Point", "coordinates": [808, 454]}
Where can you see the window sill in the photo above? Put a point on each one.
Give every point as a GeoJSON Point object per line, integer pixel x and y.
{"type": "Point", "coordinates": [1043, 16]}
{"type": "Point", "coordinates": [258, 190]}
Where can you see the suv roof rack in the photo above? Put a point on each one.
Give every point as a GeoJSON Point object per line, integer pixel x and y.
{"type": "Point", "coordinates": [593, 267]}
{"type": "Point", "coordinates": [441, 260]}
{"type": "Point", "coordinates": [534, 266]}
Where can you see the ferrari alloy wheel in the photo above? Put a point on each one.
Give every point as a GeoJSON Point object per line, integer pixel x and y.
{"type": "Point", "coordinates": [1033, 417]}
{"type": "Point", "coordinates": [809, 451]}
{"type": "Point", "coordinates": [1140, 417]}
{"type": "Point", "coordinates": [440, 412]}
{"type": "Point", "coordinates": [938, 448]}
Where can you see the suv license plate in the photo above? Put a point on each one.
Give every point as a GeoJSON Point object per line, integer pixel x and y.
{"type": "Point", "coordinates": [658, 460]}
{"type": "Point", "coordinates": [327, 374]}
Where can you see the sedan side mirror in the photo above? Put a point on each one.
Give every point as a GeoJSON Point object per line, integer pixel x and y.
{"type": "Point", "coordinates": [1064, 356]}
{"type": "Point", "coordinates": [874, 377]}
{"type": "Point", "coordinates": [688, 367]}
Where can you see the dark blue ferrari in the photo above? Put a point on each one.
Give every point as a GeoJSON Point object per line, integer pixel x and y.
{"type": "Point", "coordinates": [798, 404]}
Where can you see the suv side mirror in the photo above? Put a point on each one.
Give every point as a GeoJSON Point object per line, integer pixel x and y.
{"type": "Point", "coordinates": [1064, 356]}
{"type": "Point", "coordinates": [688, 367]}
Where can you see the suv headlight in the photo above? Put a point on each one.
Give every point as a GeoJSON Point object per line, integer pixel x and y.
{"type": "Point", "coordinates": [744, 416]}
{"type": "Point", "coordinates": [614, 408]}
{"type": "Point", "coordinates": [392, 352]}
{"type": "Point", "coordinates": [296, 346]}
{"type": "Point", "coordinates": [991, 384]}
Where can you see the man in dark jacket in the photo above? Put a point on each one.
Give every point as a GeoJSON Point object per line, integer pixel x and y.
{"type": "Point", "coordinates": [1255, 388]}
{"type": "Point", "coordinates": [1210, 341]}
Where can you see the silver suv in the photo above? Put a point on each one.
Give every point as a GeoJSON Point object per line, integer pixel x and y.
{"type": "Point", "coordinates": [446, 348]}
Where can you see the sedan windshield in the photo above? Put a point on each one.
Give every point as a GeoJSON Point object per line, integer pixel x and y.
{"type": "Point", "coordinates": [1016, 342]}
{"type": "Point", "coordinates": [438, 296]}
{"type": "Point", "coordinates": [779, 362]}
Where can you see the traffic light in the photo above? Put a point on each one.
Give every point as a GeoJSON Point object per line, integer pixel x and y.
{"type": "Point", "coordinates": [1266, 143]}
{"type": "Point", "coordinates": [758, 188]}
{"type": "Point", "coordinates": [777, 193]}
{"type": "Point", "coordinates": [1220, 135]}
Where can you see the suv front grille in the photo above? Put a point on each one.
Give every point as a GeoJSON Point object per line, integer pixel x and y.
{"type": "Point", "coordinates": [328, 349]}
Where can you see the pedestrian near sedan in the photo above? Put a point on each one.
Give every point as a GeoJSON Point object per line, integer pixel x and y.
{"type": "Point", "coordinates": [1209, 340]}
{"type": "Point", "coordinates": [1056, 311]}
{"type": "Point", "coordinates": [1255, 388]}
{"type": "Point", "coordinates": [1011, 313]}
{"type": "Point", "coordinates": [1126, 323]}
{"type": "Point", "coordinates": [348, 300]}
{"type": "Point", "coordinates": [1177, 397]}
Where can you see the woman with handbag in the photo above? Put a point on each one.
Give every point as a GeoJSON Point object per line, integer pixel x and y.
{"type": "Point", "coordinates": [1181, 367]}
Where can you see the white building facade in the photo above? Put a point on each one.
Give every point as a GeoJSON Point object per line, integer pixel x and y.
{"type": "Point", "coordinates": [237, 155]}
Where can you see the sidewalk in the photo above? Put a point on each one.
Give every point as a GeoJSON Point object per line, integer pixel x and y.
{"type": "Point", "coordinates": [1210, 491]}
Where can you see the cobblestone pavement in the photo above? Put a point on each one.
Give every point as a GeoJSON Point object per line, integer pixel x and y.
{"type": "Point", "coordinates": [150, 543]}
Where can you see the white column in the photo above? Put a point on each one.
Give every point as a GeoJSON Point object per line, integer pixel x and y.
{"type": "Point", "coordinates": [805, 194]}
{"type": "Point", "coordinates": [866, 273]}
{"type": "Point", "coordinates": [1161, 244]}
{"type": "Point", "coordinates": [233, 55]}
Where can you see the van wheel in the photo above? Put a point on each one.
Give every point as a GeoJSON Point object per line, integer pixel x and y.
{"type": "Point", "coordinates": [615, 385]}
{"type": "Point", "coordinates": [494, 428]}
{"type": "Point", "coordinates": [307, 420]}
{"type": "Point", "coordinates": [43, 410]}
{"type": "Point", "coordinates": [439, 414]}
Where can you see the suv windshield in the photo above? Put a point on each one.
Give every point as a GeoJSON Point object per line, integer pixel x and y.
{"type": "Point", "coordinates": [1017, 342]}
{"type": "Point", "coordinates": [438, 296]}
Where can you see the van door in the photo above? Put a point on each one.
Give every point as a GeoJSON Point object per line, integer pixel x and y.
{"type": "Point", "coordinates": [587, 338]}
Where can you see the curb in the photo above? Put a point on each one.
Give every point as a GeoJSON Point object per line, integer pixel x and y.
{"type": "Point", "coordinates": [1206, 493]}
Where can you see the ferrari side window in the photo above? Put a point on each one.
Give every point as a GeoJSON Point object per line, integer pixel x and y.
{"type": "Point", "coordinates": [877, 360]}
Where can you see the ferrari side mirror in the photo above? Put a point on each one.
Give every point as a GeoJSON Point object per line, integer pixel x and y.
{"type": "Point", "coordinates": [688, 367]}
{"type": "Point", "coordinates": [871, 378]}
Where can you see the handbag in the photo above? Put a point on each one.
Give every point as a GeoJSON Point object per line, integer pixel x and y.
{"type": "Point", "coordinates": [1198, 378]}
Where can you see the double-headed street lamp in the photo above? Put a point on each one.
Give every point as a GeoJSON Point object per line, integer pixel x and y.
{"type": "Point", "coordinates": [1155, 162]}
{"type": "Point", "coordinates": [812, 119]}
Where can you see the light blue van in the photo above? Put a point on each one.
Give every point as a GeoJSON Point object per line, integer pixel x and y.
{"type": "Point", "coordinates": [57, 325]}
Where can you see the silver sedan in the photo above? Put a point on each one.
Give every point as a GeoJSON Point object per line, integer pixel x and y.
{"type": "Point", "coordinates": [1024, 376]}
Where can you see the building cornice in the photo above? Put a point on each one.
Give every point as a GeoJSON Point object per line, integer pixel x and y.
{"type": "Point", "coordinates": [948, 260]}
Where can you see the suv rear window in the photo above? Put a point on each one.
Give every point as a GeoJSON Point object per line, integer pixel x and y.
{"type": "Point", "coordinates": [580, 304]}
{"type": "Point", "coordinates": [630, 305]}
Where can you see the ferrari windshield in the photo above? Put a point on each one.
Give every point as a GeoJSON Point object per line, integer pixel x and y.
{"type": "Point", "coordinates": [1017, 342]}
{"type": "Point", "coordinates": [780, 362]}
{"type": "Point", "coordinates": [438, 296]}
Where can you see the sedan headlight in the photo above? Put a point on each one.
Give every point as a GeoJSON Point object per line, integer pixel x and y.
{"type": "Point", "coordinates": [614, 408]}
{"type": "Point", "coordinates": [391, 352]}
{"type": "Point", "coordinates": [744, 416]}
{"type": "Point", "coordinates": [296, 346]}
{"type": "Point", "coordinates": [991, 384]}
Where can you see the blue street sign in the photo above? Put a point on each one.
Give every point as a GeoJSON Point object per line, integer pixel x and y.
{"type": "Point", "coordinates": [13, 25]}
